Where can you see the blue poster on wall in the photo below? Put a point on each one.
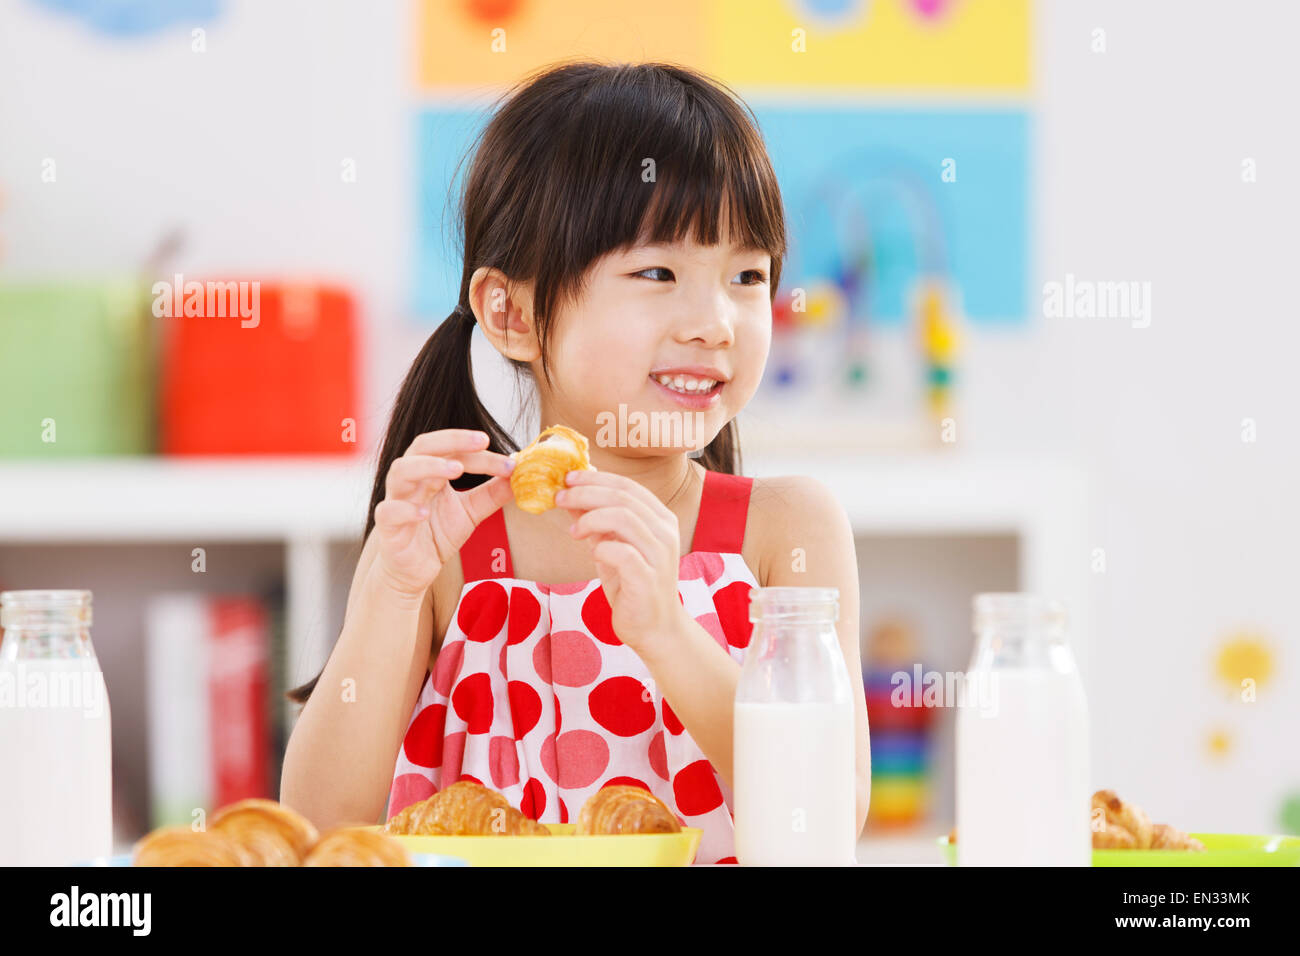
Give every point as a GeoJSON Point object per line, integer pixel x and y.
{"type": "Point", "coordinates": [888, 195]}
{"type": "Point", "coordinates": [897, 194]}
{"type": "Point", "coordinates": [131, 18]}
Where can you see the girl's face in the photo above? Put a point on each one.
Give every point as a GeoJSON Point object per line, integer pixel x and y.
{"type": "Point", "coordinates": [671, 337]}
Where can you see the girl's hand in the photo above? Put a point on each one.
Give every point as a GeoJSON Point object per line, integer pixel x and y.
{"type": "Point", "coordinates": [636, 546]}
{"type": "Point", "coordinates": [422, 520]}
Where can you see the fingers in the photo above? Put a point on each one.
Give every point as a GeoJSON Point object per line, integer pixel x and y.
{"type": "Point", "coordinates": [397, 518]}
{"type": "Point", "coordinates": [624, 525]}
{"type": "Point", "coordinates": [447, 441]}
{"type": "Point", "coordinates": [587, 497]}
{"type": "Point", "coordinates": [464, 444]}
{"type": "Point", "coordinates": [481, 500]}
{"type": "Point", "coordinates": [607, 479]}
{"type": "Point", "coordinates": [420, 477]}
{"type": "Point", "coordinates": [453, 441]}
{"type": "Point", "coordinates": [622, 557]}
{"type": "Point", "coordinates": [486, 462]}
{"type": "Point", "coordinates": [475, 462]}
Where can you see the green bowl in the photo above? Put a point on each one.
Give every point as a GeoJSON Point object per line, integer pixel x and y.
{"type": "Point", "coordinates": [1221, 849]}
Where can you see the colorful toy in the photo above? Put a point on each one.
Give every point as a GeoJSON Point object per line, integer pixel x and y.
{"type": "Point", "coordinates": [900, 735]}
{"type": "Point", "coordinates": [939, 342]}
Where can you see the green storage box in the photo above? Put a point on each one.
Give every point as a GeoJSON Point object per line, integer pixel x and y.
{"type": "Point", "coordinates": [82, 354]}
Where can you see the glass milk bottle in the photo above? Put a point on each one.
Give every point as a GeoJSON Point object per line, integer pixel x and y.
{"type": "Point", "coordinates": [1022, 740]}
{"type": "Point", "coordinates": [794, 735]}
{"type": "Point", "coordinates": [56, 803]}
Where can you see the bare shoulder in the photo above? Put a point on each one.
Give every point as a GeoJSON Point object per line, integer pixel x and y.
{"type": "Point", "coordinates": [790, 512]}
{"type": "Point", "coordinates": [792, 502]}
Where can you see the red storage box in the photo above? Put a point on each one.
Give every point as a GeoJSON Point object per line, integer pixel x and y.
{"type": "Point", "coordinates": [259, 368]}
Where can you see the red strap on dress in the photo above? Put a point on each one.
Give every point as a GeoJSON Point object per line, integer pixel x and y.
{"type": "Point", "coordinates": [480, 549]}
{"type": "Point", "coordinates": [720, 527]}
{"type": "Point", "coordinates": [724, 505]}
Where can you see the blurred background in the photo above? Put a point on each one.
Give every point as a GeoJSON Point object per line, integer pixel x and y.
{"type": "Point", "coordinates": [1034, 332]}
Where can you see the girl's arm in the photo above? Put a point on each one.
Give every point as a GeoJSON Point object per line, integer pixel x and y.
{"type": "Point", "coordinates": [698, 679]}
{"type": "Point", "coordinates": [338, 764]}
{"type": "Point", "coordinates": [804, 539]}
{"type": "Point", "coordinates": [811, 545]}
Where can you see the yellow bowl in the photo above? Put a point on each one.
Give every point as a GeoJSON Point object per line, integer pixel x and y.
{"type": "Point", "coordinates": [562, 848]}
{"type": "Point", "coordinates": [1221, 849]}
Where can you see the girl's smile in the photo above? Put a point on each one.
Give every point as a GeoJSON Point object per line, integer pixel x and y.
{"type": "Point", "coordinates": [694, 387]}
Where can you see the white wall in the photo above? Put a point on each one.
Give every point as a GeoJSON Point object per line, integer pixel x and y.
{"type": "Point", "coordinates": [1140, 158]}
{"type": "Point", "coordinates": [1138, 163]}
{"type": "Point", "coordinates": [241, 146]}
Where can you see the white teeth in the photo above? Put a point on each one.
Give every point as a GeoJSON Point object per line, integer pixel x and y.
{"type": "Point", "coordinates": [686, 383]}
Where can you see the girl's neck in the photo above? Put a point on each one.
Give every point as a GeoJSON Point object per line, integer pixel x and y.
{"type": "Point", "coordinates": [668, 477]}
{"type": "Point", "coordinates": [674, 479]}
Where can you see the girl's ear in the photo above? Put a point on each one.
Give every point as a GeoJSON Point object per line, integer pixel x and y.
{"type": "Point", "coordinates": [504, 312]}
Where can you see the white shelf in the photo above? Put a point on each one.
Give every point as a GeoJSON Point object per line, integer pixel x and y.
{"type": "Point", "coordinates": [913, 847]}
{"type": "Point", "coordinates": [304, 503]}
{"type": "Point", "coordinates": [940, 492]}
{"type": "Point", "coordinates": [1043, 503]}
{"type": "Point", "coordinates": [170, 499]}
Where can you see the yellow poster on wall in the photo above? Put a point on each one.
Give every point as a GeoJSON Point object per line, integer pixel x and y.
{"type": "Point", "coordinates": [884, 44]}
{"type": "Point", "coordinates": [466, 43]}
{"type": "Point", "coordinates": [976, 45]}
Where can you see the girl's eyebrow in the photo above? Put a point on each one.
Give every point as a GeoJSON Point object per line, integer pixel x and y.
{"type": "Point", "coordinates": [742, 249]}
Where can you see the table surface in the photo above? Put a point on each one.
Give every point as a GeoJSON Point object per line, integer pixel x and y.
{"type": "Point", "coordinates": [897, 849]}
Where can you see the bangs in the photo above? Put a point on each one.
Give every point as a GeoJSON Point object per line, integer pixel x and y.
{"type": "Point", "coordinates": [648, 153]}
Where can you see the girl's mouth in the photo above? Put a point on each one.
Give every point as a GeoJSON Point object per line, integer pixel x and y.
{"type": "Point", "coordinates": [690, 391]}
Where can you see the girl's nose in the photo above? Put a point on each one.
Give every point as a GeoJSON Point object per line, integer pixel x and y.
{"type": "Point", "coordinates": [712, 324]}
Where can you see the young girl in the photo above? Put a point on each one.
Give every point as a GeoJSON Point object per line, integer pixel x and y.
{"type": "Point", "coordinates": [623, 241]}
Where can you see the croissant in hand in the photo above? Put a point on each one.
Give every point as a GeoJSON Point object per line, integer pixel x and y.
{"type": "Point", "coordinates": [540, 468]}
{"type": "Point", "coordinates": [464, 809]}
{"type": "Point", "coordinates": [625, 809]}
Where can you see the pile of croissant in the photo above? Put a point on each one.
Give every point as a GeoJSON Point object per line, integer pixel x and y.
{"type": "Point", "coordinates": [265, 833]}
{"type": "Point", "coordinates": [469, 809]}
{"type": "Point", "coordinates": [1119, 825]}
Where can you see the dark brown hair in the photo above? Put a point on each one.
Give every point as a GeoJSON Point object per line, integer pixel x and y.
{"type": "Point", "coordinates": [561, 177]}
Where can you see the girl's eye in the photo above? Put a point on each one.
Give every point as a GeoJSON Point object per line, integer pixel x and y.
{"type": "Point", "coordinates": [756, 276]}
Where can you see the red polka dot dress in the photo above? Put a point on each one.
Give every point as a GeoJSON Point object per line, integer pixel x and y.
{"type": "Point", "coordinates": [534, 695]}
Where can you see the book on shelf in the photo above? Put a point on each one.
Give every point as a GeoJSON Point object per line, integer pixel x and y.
{"type": "Point", "coordinates": [215, 734]}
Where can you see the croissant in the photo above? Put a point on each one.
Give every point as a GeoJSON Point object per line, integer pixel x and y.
{"type": "Point", "coordinates": [1165, 837]}
{"type": "Point", "coordinates": [1129, 816]}
{"type": "Point", "coordinates": [625, 809]}
{"type": "Point", "coordinates": [272, 834]}
{"type": "Point", "coordinates": [1124, 826]}
{"type": "Point", "coordinates": [540, 467]}
{"type": "Point", "coordinates": [417, 819]}
{"type": "Point", "coordinates": [1112, 836]}
{"type": "Point", "coordinates": [352, 847]}
{"type": "Point", "coordinates": [464, 809]}
{"type": "Point", "coordinates": [181, 846]}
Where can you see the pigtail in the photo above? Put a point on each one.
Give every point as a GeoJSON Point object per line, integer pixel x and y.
{"type": "Point", "coordinates": [723, 453]}
{"type": "Point", "coordinates": [438, 392]}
